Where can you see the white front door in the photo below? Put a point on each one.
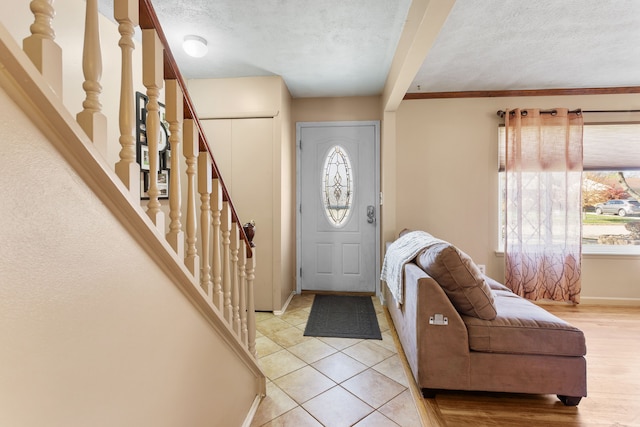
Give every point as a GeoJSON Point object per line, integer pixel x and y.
{"type": "Point", "coordinates": [338, 215]}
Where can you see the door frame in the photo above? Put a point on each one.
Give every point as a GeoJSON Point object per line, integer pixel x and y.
{"type": "Point", "coordinates": [376, 186]}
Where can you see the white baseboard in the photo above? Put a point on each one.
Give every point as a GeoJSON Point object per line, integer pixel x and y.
{"type": "Point", "coordinates": [252, 411]}
{"type": "Point", "coordinates": [610, 301]}
{"type": "Point", "coordinates": [284, 307]}
{"type": "Point", "coordinates": [585, 301]}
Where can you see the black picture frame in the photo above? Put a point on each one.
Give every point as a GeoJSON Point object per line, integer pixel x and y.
{"type": "Point", "coordinates": [163, 184]}
{"type": "Point", "coordinates": [142, 148]}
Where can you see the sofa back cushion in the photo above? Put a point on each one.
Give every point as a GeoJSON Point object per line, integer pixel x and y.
{"type": "Point", "coordinates": [460, 278]}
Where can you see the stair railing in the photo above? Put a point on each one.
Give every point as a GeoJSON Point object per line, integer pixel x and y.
{"type": "Point", "coordinates": [224, 268]}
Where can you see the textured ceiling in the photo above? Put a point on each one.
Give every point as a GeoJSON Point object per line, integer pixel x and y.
{"type": "Point", "coordinates": [346, 47]}
{"type": "Point", "coordinates": [319, 47]}
{"type": "Point", "coordinates": [542, 44]}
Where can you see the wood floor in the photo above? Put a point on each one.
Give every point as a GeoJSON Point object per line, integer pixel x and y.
{"type": "Point", "coordinates": [613, 382]}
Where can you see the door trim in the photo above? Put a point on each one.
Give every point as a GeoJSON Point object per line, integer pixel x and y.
{"type": "Point", "coordinates": [376, 186]}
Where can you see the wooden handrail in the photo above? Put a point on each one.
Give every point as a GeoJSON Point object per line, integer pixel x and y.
{"type": "Point", "coordinates": [149, 20]}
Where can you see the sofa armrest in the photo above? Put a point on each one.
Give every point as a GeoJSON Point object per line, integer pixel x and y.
{"type": "Point", "coordinates": [404, 316]}
{"type": "Point", "coordinates": [437, 354]}
{"type": "Point", "coordinates": [443, 353]}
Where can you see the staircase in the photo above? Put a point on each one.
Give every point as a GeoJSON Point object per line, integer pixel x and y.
{"type": "Point", "coordinates": [186, 223]}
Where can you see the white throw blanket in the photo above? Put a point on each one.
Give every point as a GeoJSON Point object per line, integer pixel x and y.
{"type": "Point", "coordinates": [400, 252]}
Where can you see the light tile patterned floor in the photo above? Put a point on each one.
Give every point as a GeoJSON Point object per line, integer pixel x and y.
{"type": "Point", "coordinates": [330, 382]}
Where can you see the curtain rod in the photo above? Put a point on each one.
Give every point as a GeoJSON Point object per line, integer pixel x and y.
{"type": "Point", "coordinates": [501, 113]}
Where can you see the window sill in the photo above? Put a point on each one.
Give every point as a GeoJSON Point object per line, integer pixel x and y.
{"type": "Point", "coordinates": [598, 251]}
{"type": "Point", "coordinates": [593, 251]}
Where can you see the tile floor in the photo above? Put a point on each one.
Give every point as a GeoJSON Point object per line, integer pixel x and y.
{"type": "Point", "coordinates": [329, 382]}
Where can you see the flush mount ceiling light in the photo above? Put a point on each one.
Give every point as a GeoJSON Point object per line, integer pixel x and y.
{"type": "Point", "coordinates": [195, 46]}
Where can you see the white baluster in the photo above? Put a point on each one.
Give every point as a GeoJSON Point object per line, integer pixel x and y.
{"type": "Point", "coordinates": [204, 188]}
{"type": "Point", "coordinates": [191, 149]}
{"type": "Point", "coordinates": [226, 266]}
{"type": "Point", "coordinates": [152, 78]}
{"type": "Point", "coordinates": [40, 46]}
{"type": "Point", "coordinates": [216, 210]}
{"type": "Point", "coordinates": [91, 119]}
{"type": "Point", "coordinates": [251, 314]}
{"type": "Point", "coordinates": [127, 169]}
{"type": "Point", "coordinates": [175, 115]}
{"type": "Point", "coordinates": [235, 290]}
{"type": "Point", "coordinates": [242, 265]}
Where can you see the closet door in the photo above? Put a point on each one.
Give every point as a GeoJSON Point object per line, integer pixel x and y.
{"type": "Point", "coordinates": [243, 149]}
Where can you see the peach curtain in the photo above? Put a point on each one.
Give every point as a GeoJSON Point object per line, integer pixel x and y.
{"type": "Point", "coordinates": [543, 204]}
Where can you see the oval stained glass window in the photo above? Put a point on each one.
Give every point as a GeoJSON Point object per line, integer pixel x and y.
{"type": "Point", "coordinates": [337, 186]}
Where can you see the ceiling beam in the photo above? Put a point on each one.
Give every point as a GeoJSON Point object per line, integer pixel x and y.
{"type": "Point", "coordinates": [424, 21]}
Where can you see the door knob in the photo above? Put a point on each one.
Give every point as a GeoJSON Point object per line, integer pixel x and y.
{"type": "Point", "coordinates": [371, 214]}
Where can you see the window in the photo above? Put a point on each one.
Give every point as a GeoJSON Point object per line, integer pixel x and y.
{"type": "Point", "coordinates": [337, 186]}
{"type": "Point", "coordinates": [610, 187]}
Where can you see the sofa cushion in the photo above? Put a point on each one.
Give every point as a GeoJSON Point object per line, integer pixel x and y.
{"type": "Point", "coordinates": [522, 327]}
{"type": "Point", "coordinates": [460, 278]}
{"type": "Point", "coordinates": [495, 285]}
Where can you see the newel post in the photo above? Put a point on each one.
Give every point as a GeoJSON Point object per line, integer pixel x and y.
{"type": "Point", "coordinates": [242, 278]}
{"type": "Point", "coordinates": [249, 230]}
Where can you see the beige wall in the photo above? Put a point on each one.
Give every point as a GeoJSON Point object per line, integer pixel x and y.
{"type": "Point", "coordinates": [237, 97]}
{"type": "Point", "coordinates": [92, 332]}
{"type": "Point", "coordinates": [446, 182]}
{"type": "Point", "coordinates": [335, 109]}
{"type": "Point", "coordinates": [287, 170]}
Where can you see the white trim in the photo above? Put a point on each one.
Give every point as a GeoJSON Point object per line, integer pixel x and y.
{"type": "Point", "coordinates": [285, 305]}
{"type": "Point", "coordinates": [587, 301]}
{"type": "Point", "coordinates": [252, 411]}
{"type": "Point", "coordinates": [244, 115]}
{"type": "Point", "coordinates": [632, 302]}
{"type": "Point", "coordinates": [601, 251]}
{"type": "Point", "coordinates": [376, 189]}
{"type": "Point", "coordinates": [593, 251]}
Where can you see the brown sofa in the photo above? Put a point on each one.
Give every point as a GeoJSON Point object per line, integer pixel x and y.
{"type": "Point", "coordinates": [466, 331]}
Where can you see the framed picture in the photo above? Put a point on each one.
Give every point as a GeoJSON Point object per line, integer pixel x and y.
{"type": "Point", "coordinates": [141, 122]}
{"type": "Point", "coordinates": [141, 119]}
{"type": "Point", "coordinates": [142, 152]}
{"type": "Point", "coordinates": [165, 160]}
{"type": "Point", "coordinates": [143, 157]}
{"type": "Point", "coordinates": [163, 185]}
{"type": "Point", "coordinates": [144, 185]}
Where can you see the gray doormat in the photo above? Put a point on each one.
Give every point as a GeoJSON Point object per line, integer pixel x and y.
{"type": "Point", "coordinates": [343, 317]}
